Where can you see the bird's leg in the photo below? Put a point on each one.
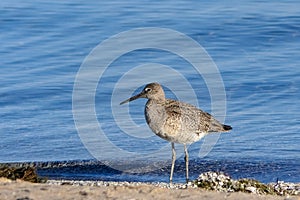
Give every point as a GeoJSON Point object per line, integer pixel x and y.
{"type": "Point", "coordinates": [186, 158]}
{"type": "Point", "coordinates": [173, 161]}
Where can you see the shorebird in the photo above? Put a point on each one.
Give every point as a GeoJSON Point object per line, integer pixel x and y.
{"type": "Point", "coordinates": [175, 121]}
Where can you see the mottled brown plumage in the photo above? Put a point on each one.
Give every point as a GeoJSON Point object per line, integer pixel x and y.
{"type": "Point", "coordinates": [176, 121]}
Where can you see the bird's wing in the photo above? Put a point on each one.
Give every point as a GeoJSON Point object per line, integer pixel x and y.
{"type": "Point", "coordinates": [192, 118]}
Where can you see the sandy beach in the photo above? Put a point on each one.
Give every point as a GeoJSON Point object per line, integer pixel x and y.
{"type": "Point", "coordinates": [18, 189]}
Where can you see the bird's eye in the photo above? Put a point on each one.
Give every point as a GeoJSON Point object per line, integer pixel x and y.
{"type": "Point", "coordinates": [148, 89]}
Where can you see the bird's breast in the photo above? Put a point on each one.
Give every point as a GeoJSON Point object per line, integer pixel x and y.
{"type": "Point", "coordinates": [161, 123]}
{"type": "Point", "coordinates": [155, 116]}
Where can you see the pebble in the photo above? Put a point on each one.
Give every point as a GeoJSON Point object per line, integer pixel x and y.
{"type": "Point", "coordinates": [113, 183]}
{"type": "Point", "coordinates": [216, 181]}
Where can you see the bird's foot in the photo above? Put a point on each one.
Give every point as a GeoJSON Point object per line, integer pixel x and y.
{"type": "Point", "coordinates": [171, 184]}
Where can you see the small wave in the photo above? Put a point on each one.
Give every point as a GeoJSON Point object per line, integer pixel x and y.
{"type": "Point", "coordinates": [95, 170]}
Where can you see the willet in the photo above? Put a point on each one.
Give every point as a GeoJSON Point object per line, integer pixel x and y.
{"type": "Point", "coordinates": [175, 121]}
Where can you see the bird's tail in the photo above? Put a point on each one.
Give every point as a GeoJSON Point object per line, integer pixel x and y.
{"type": "Point", "coordinates": [216, 126]}
{"type": "Point", "coordinates": [227, 127]}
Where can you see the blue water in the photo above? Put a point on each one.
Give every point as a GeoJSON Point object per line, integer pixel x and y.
{"type": "Point", "coordinates": [255, 45]}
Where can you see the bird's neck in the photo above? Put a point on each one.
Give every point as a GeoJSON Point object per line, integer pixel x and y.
{"type": "Point", "coordinates": [159, 101]}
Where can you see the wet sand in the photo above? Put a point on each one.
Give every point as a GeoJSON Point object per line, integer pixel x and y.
{"type": "Point", "coordinates": [25, 190]}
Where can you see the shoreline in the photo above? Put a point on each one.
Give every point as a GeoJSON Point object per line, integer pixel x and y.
{"type": "Point", "coordinates": [25, 183]}
{"type": "Point", "coordinates": [63, 189]}
{"type": "Point", "coordinates": [101, 170]}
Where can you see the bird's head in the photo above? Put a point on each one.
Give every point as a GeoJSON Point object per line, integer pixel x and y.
{"type": "Point", "coordinates": [152, 91]}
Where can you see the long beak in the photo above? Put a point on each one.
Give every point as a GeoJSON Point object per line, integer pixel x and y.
{"type": "Point", "coordinates": [140, 95]}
